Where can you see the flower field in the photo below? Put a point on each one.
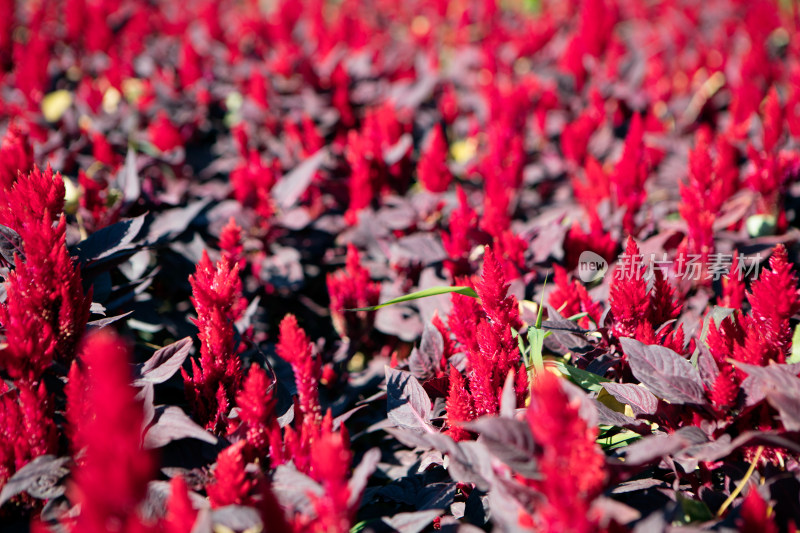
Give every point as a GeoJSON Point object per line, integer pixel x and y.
{"type": "Point", "coordinates": [341, 266]}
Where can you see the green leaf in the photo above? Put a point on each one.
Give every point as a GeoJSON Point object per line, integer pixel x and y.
{"type": "Point", "coordinates": [541, 306]}
{"type": "Point", "coordinates": [536, 339]}
{"type": "Point", "coordinates": [614, 438]}
{"type": "Point", "coordinates": [433, 291]}
{"type": "Point", "coordinates": [693, 511]}
{"type": "Point", "coordinates": [795, 357]}
{"type": "Point", "coordinates": [577, 316]}
{"type": "Point", "coordinates": [584, 379]}
{"type": "Point", "coordinates": [359, 527]}
{"type": "Point", "coordinates": [718, 314]}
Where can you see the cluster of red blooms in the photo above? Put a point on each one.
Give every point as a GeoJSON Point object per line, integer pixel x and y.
{"type": "Point", "coordinates": [217, 298]}
{"type": "Point", "coordinates": [487, 111]}
{"type": "Point", "coordinates": [352, 288]}
{"type": "Point", "coordinates": [759, 337]}
{"type": "Point", "coordinates": [313, 446]}
{"type": "Point", "coordinates": [105, 422]}
{"type": "Point", "coordinates": [45, 310]}
{"type": "Point", "coordinates": [483, 331]}
{"type": "Point", "coordinates": [641, 312]}
{"type": "Point", "coordinates": [569, 461]}
{"type": "Point", "coordinates": [371, 173]}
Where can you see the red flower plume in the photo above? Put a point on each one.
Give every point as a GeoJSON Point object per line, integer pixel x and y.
{"type": "Point", "coordinates": [109, 490]}
{"type": "Point", "coordinates": [217, 298]}
{"type": "Point", "coordinates": [570, 462]}
{"type": "Point", "coordinates": [433, 171]}
{"type": "Point", "coordinates": [295, 348]}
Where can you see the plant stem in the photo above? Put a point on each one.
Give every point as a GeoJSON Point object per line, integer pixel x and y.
{"type": "Point", "coordinates": [742, 483]}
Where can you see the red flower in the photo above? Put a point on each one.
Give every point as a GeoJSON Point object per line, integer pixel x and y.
{"type": "Point", "coordinates": [570, 462]}
{"type": "Point", "coordinates": [434, 174]}
{"type": "Point", "coordinates": [27, 429]}
{"type": "Point", "coordinates": [256, 402]}
{"type": "Point", "coordinates": [628, 296]}
{"type": "Point", "coordinates": [352, 288]}
{"type": "Point", "coordinates": [231, 485]}
{"type": "Point", "coordinates": [163, 133]}
{"type": "Point", "coordinates": [34, 199]}
{"type": "Point", "coordinates": [459, 406]}
{"type": "Point", "coordinates": [217, 298]}
{"type": "Point", "coordinates": [497, 351]}
{"type": "Point", "coordinates": [46, 310]}
{"type": "Point", "coordinates": [295, 348]}
{"type": "Point", "coordinates": [16, 152]}
{"type": "Point", "coordinates": [330, 463]}
{"type": "Point", "coordinates": [595, 188]}
{"type": "Point", "coordinates": [774, 299]}
{"type": "Point", "coordinates": [630, 174]}
{"type": "Point", "coordinates": [464, 318]}
{"type": "Point", "coordinates": [181, 514]}
{"type": "Point", "coordinates": [190, 67]}
{"type": "Point", "coordinates": [733, 287]}
{"type": "Point", "coordinates": [230, 242]}
{"type": "Point", "coordinates": [108, 490]}
{"type": "Point", "coordinates": [596, 240]}
{"type": "Point", "coordinates": [754, 515]}
{"type": "Point", "coordinates": [252, 182]}
{"type": "Point", "coordinates": [458, 237]}
{"type": "Point", "coordinates": [571, 298]}
{"type": "Point", "coordinates": [773, 121]}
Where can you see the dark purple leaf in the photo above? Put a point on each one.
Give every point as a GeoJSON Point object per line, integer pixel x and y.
{"type": "Point", "coordinates": [436, 496]}
{"type": "Point", "coordinates": [788, 405]}
{"type": "Point", "coordinates": [292, 185]}
{"type": "Point", "coordinates": [724, 445]}
{"type": "Point", "coordinates": [171, 423]}
{"type": "Point", "coordinates": [10, 244]}
{"type": "Point", "coordinates": [424, 360]}
{"type": "Point", "coordinates": [566, 335]}
{"type": "Point", "coordinates": [637, 484]}
{"type": "Point", "coordinates": [40, 478]}
{"type": "Point", "coordinates": [664, 372]}
{"type": "Point", "coordinates": [400, 320]}
{"type": "Point", "coordinates": [110, 240]}
{"type": "Point", "coordinates": [103, 322]}
{"type": "Point", "coordinates": [508, 398]}
{"type": "Point", "coordinates": [471, 462]}
{"type": "Point", "coordinates": [609, 417]}
{"type": "Point", "coordinates": [395, 153]}
{"type": "Point", "coordinates": [292, 488]}
{"type": "Point", "coordinates": [127, 179]}
{"type": "Point", "coordinates": [509, 440]}
{"type": "Point", "coordinates": [171, 223]}
{"type": "Point", "coordinates": [607, 511]}
{"type": "Point", "coordinates": [412, 522]}
{"type": "Point", "coordinates": [417, 249]}
{"type": "Point", "coordinates": [236, 518]}
{"type": "Point", "coordinates": [361, 474]}
{"type": "Point", "coordinates": [706, 365]}
{"type": "Point", "coordinates": [283, 270]}
{"type": "Point", "coordinates": [407, 403]}
{"type": "Point", "coordinates": [165, 362]}
{"type": "Point", "coordinates": [658, 446]}
{"type": "Point", "coordinates": [405, 490]}
{"type": "Point", "coordinates": [761, 380]}
{"type": "Point", "coordinates": [146, 396]}
{"type": "Point", "coordinates": [640, 399]}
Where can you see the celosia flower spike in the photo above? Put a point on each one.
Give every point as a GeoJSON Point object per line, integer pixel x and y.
{"type": "Point", "coordinates": [295, 348]}
{"type": "Point", "coordinates": [109, 490]}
